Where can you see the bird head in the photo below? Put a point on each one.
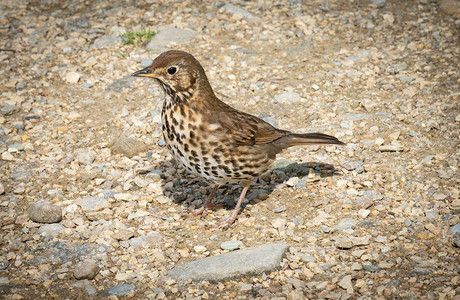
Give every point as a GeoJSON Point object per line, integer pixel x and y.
{"type": "Point", "coordinates": [178, 73]}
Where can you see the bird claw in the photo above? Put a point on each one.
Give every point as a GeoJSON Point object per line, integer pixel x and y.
{"type": "Point", "coordinates": [225, 223]}
{"type": "Point", "coordinates": [203, 211]}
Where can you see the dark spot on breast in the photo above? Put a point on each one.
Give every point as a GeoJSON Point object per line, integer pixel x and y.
{"type": "Point", "coordinates": [215, 172]}
{"type": "Point", "coordinates": [206, 162]}
{"type": "Point", "coordinates": [206, 173]}
{"type": "Point", "coordinates": [186, 148]}
{"type": "Point", "coordinates": [193, 152]}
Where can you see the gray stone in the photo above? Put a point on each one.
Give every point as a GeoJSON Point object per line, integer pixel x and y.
{"type": "Point", "coordinates": [306, 258]}
{"type": "Point", "coordinates": [450, 8]}
{"type": "Point", "coordinates": [43, 212]}
{"type": "Point", "coordinates": [238, 11]}
{"type": "Point", "coordinates": [234, 264]}
{"type": "Point", "coordinates": [371, 268]}
{"type": "Point", "coordinates": [296, 283]}
{"type": "Point", "coordinates": [87, 269]}
{"type": "Point", "coordinates": [455, 229]}
{"type": "Point", "coordinates": [231, 245]}
{"type": "Point", "coordinates": [346, 223]}
{"type": "Point", "coordinates": [128, 146]}
{"type": "Point", "coordinates": [379, 3]}
{"type": "Point", "coordinates": [85, 157]}
{"type": "Point", "coordinates": [121, 289]}
{"type": "Point", "coordinates": [343, 242]}
{"type": "Point", "coordinates": [107, 41]}
{"type": "Point", "coordinates": [152, 239]}
{"type": "Point", "coordinates": [62, 252]}
{"type": "Point", "coordinates": [7, 110]}
{"type": "Point", "coordinates": [50, 229]}
{"type": "Point", "coordinates": [146, 63]}
{"type": "Point", "coordinates": [21, 85]}
{"type": "Point", "coordinates": [167, 35]}
{"type": "Point", "coordinates": [270, 120]}
{"type": "Point", "coordinates": [91, 203]}
{"type": "Point", "coordinates": [88, 84]}
{"type": "Point", "coordinates": [391, 148]}
{"type": "Point", "coordinates": [15, 147]}
{"type": "Point", "coordinates": [300, 185]}
{"type": "Point", "coordinates": [120, 84]}
{"type": "Point", "coordinates": [280, 209]}
{"type": "Point", "coordinates": [123, 235]}
{"type": "Point", "coordinates": [90, 290]}
{"type": "Point", "coordinates": [286, 98]}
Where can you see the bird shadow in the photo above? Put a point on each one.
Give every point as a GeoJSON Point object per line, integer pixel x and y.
{"type": "Point", "coordinates": [191, 191]}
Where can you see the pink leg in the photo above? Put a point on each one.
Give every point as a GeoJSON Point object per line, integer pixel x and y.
{"type": "Point", "coordinates": [229, 221]}
{"type": "Point", "coordinates": [204, 209]}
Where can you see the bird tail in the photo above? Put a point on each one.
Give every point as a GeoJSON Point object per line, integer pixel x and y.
{"type": "Point", "coordinates": [296, 139]}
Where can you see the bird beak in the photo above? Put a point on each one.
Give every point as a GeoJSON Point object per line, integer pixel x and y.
{"type": "Point", "coordinates": [145, 73]}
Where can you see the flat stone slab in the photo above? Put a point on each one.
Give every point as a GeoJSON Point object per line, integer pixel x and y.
{"type": "Point", "coordinates": [250, 261]}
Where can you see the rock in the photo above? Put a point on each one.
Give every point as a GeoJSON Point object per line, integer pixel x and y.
{"type": "Point", "coordinates": [270, 120]}
{"type": "Point", "coordinates": [91, 203]}
{"type": "Point", "coordinates": [450, 8]}
{"type": "Point", "coordinates": [234, 264]}
{"type": "Point", "coordinates": [455, 229]}
{"type": "Point", "coordinates": [7, 110]}
{"type": "Point", "coordinates": [85, 157]}
{"type": "Point", "coordinates": [168, 35]}
{"type": "Point", "coordinates": [345, 283]}
{"type": "Point", "coordinates": [146, 63]}
{"type": "Point", "coordinates": [371, 268]}
{"type": "Point", "coordinates": [280, 209]}
{"type": "Point", "coordinates": [7, 156]}
{"type": "Point", "coordinates": [63, 252]}
{"type": "Point", "coordinates": [149, 240]}
{"type": "Point", "coordinates": [379, 3]}
{"type": "Point", "coordinates": [16, 147]}
{"type": "Point", "coordinates": [391, 148]}
{"type": "Point", "coordinates": [363, 213]}
{"type": "Point", "coordinates": [120, 84]}
{"type": "Point", "coordinates": [286, 98]}
{"type": "Point", "coordinates": [42, 212]}
{"type": "Point", "coordinates": [128, 146]}
{"type": "Point", "coordinates": [87, 269]}
{"type": "Point", "coordinates": [343, 242]}
{"type": "Point", "coordinates": [236, 11]}
{"type": "Point", "coordinates": [106, 41]}
{"type": "Point", "coordinates": [231, 245]}
{"type": "Point", "coordinates": [72, 77]}
{"type": "Point", "coordinates": [21, 85]}
{"type": "Point", "coordinates": [2, 188]}
{"type": "Point", "coordinates": [245, 287]}
{"type": "Point", "coordinates": [306, 258]}
{"type": "Point", "coordinates": [346, 223]}
{"type": "Point", "coordinates": [121, 289]}
{"type": "Point", "coordinates": [50, 229]}
{"type": "Point", "coordinates": [123, 235]}
{"type": "Point", "coordinates": [279, 223]}
{"type": "Point", "coordinates": [356, 266]}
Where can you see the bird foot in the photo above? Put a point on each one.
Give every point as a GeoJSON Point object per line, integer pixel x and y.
{"type": "Point", "coordinates": [226, 223]}
{"type": "Point", "coordinates": [203, 211]}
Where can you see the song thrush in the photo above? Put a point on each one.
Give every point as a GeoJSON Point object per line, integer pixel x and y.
{"type": "Point", "coordinates": [210, 138]}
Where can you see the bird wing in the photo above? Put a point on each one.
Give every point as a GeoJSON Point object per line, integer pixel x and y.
{"type": "Point", "coordinates": [245, 129]}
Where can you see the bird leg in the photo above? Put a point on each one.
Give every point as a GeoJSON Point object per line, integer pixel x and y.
{"type": "Point", "coordinates": [226, 223]}
{"type": "Point", "coordinates": [204, 209]}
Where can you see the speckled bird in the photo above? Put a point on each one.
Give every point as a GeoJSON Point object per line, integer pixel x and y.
{"type": "Point", "coordinates": [210, 138]}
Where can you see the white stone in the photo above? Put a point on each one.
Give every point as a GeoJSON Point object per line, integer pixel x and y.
{"type": "Point", "coordinates": [72, 77]}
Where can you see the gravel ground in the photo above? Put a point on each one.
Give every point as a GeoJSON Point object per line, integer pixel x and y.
{"type": "Point", "coordinates": [91, 199]}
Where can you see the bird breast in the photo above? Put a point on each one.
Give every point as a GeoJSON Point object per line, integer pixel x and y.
{"type": "Point", "coordinates": [205, 150]}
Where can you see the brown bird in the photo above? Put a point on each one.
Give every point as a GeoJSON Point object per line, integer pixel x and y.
{"type": "Point", "coordinates": [210, 138]}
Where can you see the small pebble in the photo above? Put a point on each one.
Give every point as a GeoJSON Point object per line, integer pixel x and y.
{"type": "Point", "coordinates": [231, 245]}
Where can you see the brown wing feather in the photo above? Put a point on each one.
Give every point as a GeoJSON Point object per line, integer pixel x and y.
{"type": "Point", "coordinates": [246, 129]}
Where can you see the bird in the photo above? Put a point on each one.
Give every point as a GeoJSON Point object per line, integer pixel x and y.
{"type": "Point", "coordinates": [210, 138]}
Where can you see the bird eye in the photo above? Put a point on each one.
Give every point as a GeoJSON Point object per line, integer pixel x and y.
{"type": "Point", "coordinates": [172, 70]}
